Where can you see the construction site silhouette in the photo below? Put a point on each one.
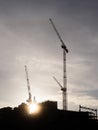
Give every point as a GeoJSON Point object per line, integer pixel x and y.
{"type": "Point", "coordinates": [49, 118]}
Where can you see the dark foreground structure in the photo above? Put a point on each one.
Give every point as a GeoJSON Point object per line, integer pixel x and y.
{"type": "Point", "coordinates": [49, 118]}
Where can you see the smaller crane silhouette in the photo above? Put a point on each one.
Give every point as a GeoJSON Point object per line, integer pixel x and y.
{"type": "Point", "coordinates": [29, 100]}
{"type": "Point", "coordinates": [63, 89]}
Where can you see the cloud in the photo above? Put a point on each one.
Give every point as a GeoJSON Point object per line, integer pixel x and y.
{"type": "Point", "coordinates": [27, 37]}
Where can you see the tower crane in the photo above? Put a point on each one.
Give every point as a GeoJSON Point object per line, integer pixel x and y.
{"type": "Point", "coordinates": [65, 50]}
{"type": "Point", "coordinates": [62, 89]}
{"type": "Point", "coordinates": [28, 86]}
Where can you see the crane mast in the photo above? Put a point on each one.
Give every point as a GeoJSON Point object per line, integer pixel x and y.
{"type": "Point", "coordinates": [28, 86]}
{"type": "Point", "coordinates": [65, 50]}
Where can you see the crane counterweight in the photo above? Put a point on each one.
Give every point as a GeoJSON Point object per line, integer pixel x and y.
{"type": "Point", "coordinates": [64, 47]}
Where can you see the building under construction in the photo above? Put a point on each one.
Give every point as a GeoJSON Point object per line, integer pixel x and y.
{"type": "Point", "coordinates": [49, 118]}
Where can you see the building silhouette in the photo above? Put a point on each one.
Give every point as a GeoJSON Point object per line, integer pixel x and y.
{"type": "Point", "coordinates": [49, 118]}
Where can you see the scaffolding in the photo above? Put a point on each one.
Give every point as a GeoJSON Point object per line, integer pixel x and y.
{"type": "Point", "coordinates": [92, 112]}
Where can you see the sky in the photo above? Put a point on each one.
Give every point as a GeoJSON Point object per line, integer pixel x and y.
{"type": "Point", "coordinates": [28, 38]}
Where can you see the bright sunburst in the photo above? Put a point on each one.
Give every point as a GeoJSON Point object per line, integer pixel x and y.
{"type": "Point", "coordinates": [33, 108]}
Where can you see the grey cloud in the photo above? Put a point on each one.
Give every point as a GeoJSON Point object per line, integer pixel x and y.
{"type": "Point", "coordinates": [26, 32]}
{"type": "Point", "coordinates": [93, 93]}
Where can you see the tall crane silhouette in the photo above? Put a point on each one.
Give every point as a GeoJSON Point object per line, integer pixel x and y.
{"type": "Point", "coordinates": [65, 50]}
{"type": "Point", "coordinates": [29, 100]}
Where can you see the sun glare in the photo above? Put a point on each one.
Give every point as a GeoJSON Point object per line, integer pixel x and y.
{"type": "Point", "coordinates": [33, 108]}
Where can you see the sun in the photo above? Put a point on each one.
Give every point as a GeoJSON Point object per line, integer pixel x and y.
{"type": "Point", "coordinates": [33, 108]}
